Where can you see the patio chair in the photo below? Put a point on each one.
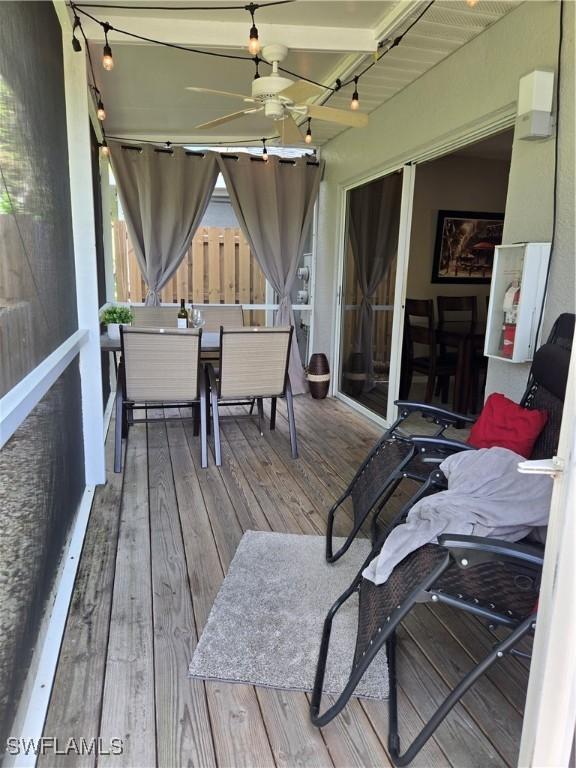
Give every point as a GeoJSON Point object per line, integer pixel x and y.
{"type": "Point", "coordinates": [156, 317]}
{"type": "Point", "coordinates": [396, 456]}
{"type": "Point", "coordinates": [160, 368]}
{"type": "Point", "coordinates": [253, 365]}
{"type": "Point", "coordinates": [218, 315]}
{"type": "Point", "coordinates": [494, 580]}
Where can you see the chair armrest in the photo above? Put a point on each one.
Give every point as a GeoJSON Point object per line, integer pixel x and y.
{"type": "Point", "coordinates": [479, 549]}
{"type": "Point", "coordinates": [425, 443]}
{"type": "Point", "coordinates": [440, 415]}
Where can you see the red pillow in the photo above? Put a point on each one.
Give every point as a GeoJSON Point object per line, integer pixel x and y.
{"type": "Point", "coordinates": [505, 424]}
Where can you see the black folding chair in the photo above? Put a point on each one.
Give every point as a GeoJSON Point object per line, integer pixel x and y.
{"type": "Point", "coordinates": [494, 580]}
{"type": "Point", "coordinates": [396, 457]}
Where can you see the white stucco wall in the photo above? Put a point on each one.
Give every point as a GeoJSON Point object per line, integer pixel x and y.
{"type": "Point", "coordinates": [467, 91]}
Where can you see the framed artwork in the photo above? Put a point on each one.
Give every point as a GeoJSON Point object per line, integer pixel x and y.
{"type": "Point", "coordinates": [464, 248]}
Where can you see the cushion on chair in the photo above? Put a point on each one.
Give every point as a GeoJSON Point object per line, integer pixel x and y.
{"type": "Point", "coordinates": [505, 424]}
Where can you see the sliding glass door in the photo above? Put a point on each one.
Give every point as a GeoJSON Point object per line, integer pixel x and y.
{"type": "Point", "coordinates": [372, 290]}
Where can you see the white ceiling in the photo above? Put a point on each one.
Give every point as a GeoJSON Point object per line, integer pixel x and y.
{"type": "Point", "coordinates": [145, 94]}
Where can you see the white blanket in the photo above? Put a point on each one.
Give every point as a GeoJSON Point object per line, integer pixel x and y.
{"type": "Point", "coordinates": [486, 496]}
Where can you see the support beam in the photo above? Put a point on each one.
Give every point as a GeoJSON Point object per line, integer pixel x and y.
{"type": "Point", "coordinates": [84, 234]}
{"type": "Point", "coordinates": [216, 34]}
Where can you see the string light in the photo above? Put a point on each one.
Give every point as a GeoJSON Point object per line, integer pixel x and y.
{"type": "Point", "coordinates": [257, 61]}
{"type": "Point", "coordinates": [264, 150]}
{"type": "Point", "coordinates": [355, 103]}
{"type": "Point", "coordinates": [107, 60]}
{"type": "Point", "coordinates": [471, 3]}
{"type": "Point", "coordinates": [100, 111]}
{"type": "Point", "coordinates": [308, 137]}
{"type": "Point", "coordinates": [75, 42]}
{"type": "Point", "coordinates": [253, 43]}
{"type": "Point", "coordinates": [104, 149]}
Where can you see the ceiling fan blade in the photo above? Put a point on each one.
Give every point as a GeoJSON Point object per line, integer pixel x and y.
{"type": "Point", "coordinates": [197, 89]}
{"type": "Point", "coordinates": [341, 116]}
{"type": "Point", "coordinates": [301, 91]}
{"type": "Point", "coordinates": [289, 131]}
{"type": "Point", "coordinates": [225, 119]}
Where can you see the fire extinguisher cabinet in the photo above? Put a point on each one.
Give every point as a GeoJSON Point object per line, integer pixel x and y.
{"type": "Point", "coordinates": [516, 299]}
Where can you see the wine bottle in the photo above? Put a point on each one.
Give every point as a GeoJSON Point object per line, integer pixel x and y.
{"type": "Point", "coordinates": [182, 316]}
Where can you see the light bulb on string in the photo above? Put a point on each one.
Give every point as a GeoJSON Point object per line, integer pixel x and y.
{"type": "Point", "coordinates": [471, 3]}
{"type": "Point", "coordinates": [104, 149]}
{"type": "Point", "coordinates": [308, 137]}
{"type": "Point", "coordinates": [100, 111]}
{"type": "Point", "coordinates": [107, 60]}
{"type": "Point", "coordinates": [257, 61]}
{"type": "Point", "coordinates": [253, 42]}
{"type": "Point", "coordinates": [264, 151]}
{"type": "Point", "coordinates": [355, 103]}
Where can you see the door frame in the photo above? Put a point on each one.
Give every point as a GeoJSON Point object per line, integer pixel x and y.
{"type": "Point", "coordinates": [495, 123]}
{"type": "Point", "coordinates": [405, 225]}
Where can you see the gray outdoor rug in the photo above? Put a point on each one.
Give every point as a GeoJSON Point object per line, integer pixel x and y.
{"type": "Point", "coordinates": [266, 622]}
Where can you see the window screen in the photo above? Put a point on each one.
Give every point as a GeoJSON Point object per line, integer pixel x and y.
{"type": "Point", "coordinates": [37, 288]}
{"type": "Point", "coordinates": [42, 465]}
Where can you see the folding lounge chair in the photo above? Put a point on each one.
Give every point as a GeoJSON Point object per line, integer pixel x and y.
{"type": "Point", "coordinates": [494, 580]}
{"type": "Point", "coordinates": [396, 457]}
{"type": "Point", "coordinates": [160, 368]}
{"type": "Point", "coordinates": [253, 365]}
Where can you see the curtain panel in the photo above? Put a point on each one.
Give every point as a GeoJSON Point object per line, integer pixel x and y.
{"type": "Point", "coordinates": [373, 224]}
{"type": "Point", "coordinates": [164, 196]}
{"type": "Point", "coordinates": [274, 203]}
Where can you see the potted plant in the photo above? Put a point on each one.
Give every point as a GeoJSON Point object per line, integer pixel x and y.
{"type": "Point", "coordinates": [113, 318]}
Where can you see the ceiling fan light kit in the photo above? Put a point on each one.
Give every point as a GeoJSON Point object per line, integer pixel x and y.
{"type": "Point", "coordinates": [282, 100]}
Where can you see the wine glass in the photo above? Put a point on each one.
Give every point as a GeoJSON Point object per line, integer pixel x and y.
{"type": "Point", "coordinates": [197, 318]}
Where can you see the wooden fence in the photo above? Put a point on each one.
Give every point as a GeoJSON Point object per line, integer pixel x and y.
{"type": "Point", "coordinates": [218, 269]}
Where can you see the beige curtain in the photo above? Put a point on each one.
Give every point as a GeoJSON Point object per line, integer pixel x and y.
{"type": "Point", "coordinates": [274, 202]}
{"type": "Point", "coordinates": [164, 196]}
{"type": "Point", "coordinates": [374, 222]}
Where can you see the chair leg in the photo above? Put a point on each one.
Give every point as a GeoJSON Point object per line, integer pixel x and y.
{"type": "Point", "coordinates": [430, 387]}
{"type": "Point", "coordinates": [251, 411]}
{"type": "Point", "coordinates": [260, 404]}
{"type": "Point", "coordinates": [291, 421]}
{"type": "Point", "coordinates": [196, 420]}
{"type": "Point", "coordinates": [203, 425]}
{"type": "Point", "coordinates": [273, 414]}
{"type": "Point", "coordinates": [118, 430]}
{"type": "Point", "coordinates": [216, 425]}
{"type": "Point", "coordinates": [449, 702]}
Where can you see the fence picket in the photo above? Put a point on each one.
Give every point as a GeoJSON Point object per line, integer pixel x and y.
{"type": "Point", "coordinates": [229, 267]}
{"type": "Point", "coordinates": [214, 290]}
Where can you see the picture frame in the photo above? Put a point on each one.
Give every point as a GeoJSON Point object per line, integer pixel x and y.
{"type": "Point", "coordinates": [464, 246]}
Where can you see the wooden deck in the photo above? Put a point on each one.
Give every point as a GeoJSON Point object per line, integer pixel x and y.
{"type": "Point", "coordinates": [160, 539]}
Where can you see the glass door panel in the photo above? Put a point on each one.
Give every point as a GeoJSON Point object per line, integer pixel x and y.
{"type": "Point", "coordinates": [368, 291]}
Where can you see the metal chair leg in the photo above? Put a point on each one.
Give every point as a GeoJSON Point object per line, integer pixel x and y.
{"type": "Point", "coordinates": [203, 423]}
{"type": "Point", "coordinates": [449, 702]}
{"type": "Point", "coordinates": [273, 414]}
{"type": "Point", "coordinates": [118, 431]}
{"type": "Point", "coordinates": [260, 404]}
{"type": "Point", "coordinates": [291, 421]}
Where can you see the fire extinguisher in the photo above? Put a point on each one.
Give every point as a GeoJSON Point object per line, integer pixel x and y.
{"type": "Point", "coordinates": [510, 309]}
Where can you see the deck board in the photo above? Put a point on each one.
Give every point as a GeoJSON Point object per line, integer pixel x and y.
{"type": "Point", "coordinates": [160, 540]}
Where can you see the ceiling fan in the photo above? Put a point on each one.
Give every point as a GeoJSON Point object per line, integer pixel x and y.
{"type": "Point", "coordinates": [281, 99]}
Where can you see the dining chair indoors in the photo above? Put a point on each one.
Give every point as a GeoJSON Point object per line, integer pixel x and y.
{"type": "Point", "coordinates": [419, 329]}
{"type": "Point", "coordinates": [160, 368]}
{"type": "Point", "coordinates": [458, 314]}
{"type": "Point", "coordinates": [253, 365]}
